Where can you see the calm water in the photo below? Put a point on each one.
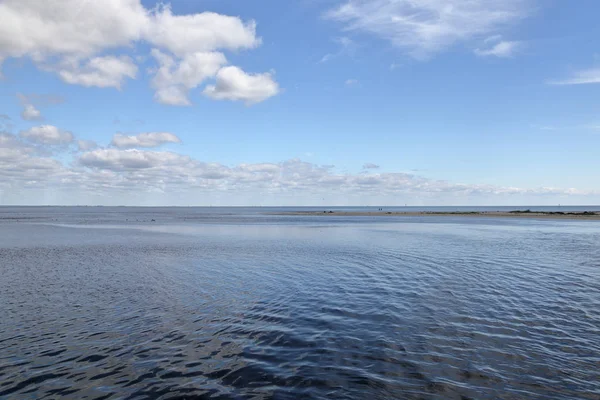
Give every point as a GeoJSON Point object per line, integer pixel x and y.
{"type": "Point", "coordinates": [231, 303]}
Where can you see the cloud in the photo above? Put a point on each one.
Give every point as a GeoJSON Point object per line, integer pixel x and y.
{"type": "Point", "coordinates": [586, 76]}
{"type": "Point", "coordinates": [11, 148]}
{"type": "Point", "coordinates": [204, 32]}
{"type": "Point", "coordinates": [30, 113]}
{"type": "Point", "coordinates": [47, 134]}
{"type": "Point", "coordinates": [370, 166]}
{"type": "Point", "coordinates": [347, 47]}
{"type": "Point", "coordinates": [173, 79]}
{"type": "Point", "coordinates": [113, 174]}
{"type": "Point", "coordinates": [102, 72]}
{"type": "Point", "coordinates": [326, 58]}
{"type": "Point", "coordinates": [5, 123]}
{"type": "Point", "coordinates": [234, 84]}
{"type": "Point", "coordinates": [31, 102]}
{"type": "Point", "coordinates": [82, 42]}
{"type": "Point", "coordinates": [425, 28]}
{"type": "Point", "coordinates": [162, 170]}
{"type": "Point", "coordinates": [502, 49]}
{"type": "Point", "coordinates": [23, 166]}
{"type": "Point", "coordinates": [86, 145]}
{"type": "Point", "coordinates": [120, 160]}
{"type": "Point", "coordinates": [149, 139]}
{"type": "Point", "coordinates": [351, 82]}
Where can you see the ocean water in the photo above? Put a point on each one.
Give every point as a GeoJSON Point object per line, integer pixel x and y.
{"type": "Point", "coordinates": [233, 303]}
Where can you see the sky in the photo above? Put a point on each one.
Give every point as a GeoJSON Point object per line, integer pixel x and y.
{"type": "Point", "coordinates": [306, 102]}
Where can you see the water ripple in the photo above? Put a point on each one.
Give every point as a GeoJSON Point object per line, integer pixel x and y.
{"type": "Point", "coordinates": [350, 311]}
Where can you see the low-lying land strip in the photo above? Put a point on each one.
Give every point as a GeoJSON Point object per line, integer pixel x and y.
{"type": "Point", "coordinates": [584, 215]}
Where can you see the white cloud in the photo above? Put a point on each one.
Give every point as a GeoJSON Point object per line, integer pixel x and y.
{"type": "Point", "coordinates": [22, 166]}
{"type": "Point", "coordinates": [115, 174]}
{"type": "Point", "coordinates": [118, 160]}
{"type": "Point", "coordinates": [173, 79]}
{"type": "Point", "coordinates": [11, 145]}
{"type": "Point", "coordinates": [351, 82]}
{"type": "Point", "coordinates": [30, 103]}
{"type": "Point", "coordinates": [204, 32]}
{"type": "Point", "coordinates": [502, 49]}
{"type": "Point", "coordinates": [47, 134]}
{"type": "Point", "coordinates": [108, 71]}
{"type": "Point", "coordinates": [82, 42]}
{"type": "Point", "coordinates": [41, 29]}
{"type": "Point", "coordinates": [583, 77]}
{"type": "Point", "coordinates": [234, 84]}
{"type": "Point", "coordinates": [148, 139]}
{"type": "Point", "coordinates": [86, 145]}
{"type": "Point", "coordinates": [30, 113]}
{"type": "Point", "coordinates": [423, 28]}
{"type": "Point", "coordinates": [150, 170]}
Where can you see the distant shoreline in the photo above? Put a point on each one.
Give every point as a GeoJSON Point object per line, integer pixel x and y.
{"type": "Point", "coordinates": [585, 215]}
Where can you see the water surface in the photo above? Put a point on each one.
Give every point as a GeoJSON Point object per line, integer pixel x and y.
{"type": "Point", "coordinates": [102, 302]}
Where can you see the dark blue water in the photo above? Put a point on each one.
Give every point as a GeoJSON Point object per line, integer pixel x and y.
{"type": "Point", "coordinates": [102, 302]}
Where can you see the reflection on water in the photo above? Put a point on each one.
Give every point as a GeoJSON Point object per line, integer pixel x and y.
{"type": "Point", "coordinates": [284, 307]}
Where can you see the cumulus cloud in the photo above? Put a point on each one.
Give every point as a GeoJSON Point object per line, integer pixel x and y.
{"type": "Point", "coordinates": [424, 28]}
{"type": "Point", "coordinates": [47, 134]}
{"type": "Point", "coordinates": [148, 139]}
{"type": "Point", "coordinates": [583, 77]}
{"type": "Point", "coordinates": [107, 71]}
{"type": "Point", "coordinates": [114, 159]}
{"type": "Point", "coordinates": [31, 102]}
{"type": "Point", "coordinates": [30, 113]}
{"type": "Point", "coordinates": [173, 79]}
{"type": "Point", "coordinates": [22, 164]}
{"type": "Point", "coordinates": [80, 41]}
{"type": "Point", "coordinates": [204, 32]}
{"type": "Point", "coordinates": [11, 145]}
{"type": "Point", "coordinates": [234, 84]}
{"type": "Point", "coordinates": [503, 49]}
{"type": "Point", "coordinates": [86, 145]}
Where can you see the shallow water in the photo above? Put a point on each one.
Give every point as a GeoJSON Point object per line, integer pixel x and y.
{"type": "Point", "coordinates": [230, 303]}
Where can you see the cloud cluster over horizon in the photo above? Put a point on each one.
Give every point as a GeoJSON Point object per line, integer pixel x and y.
{"type": "Point", "coordinates": [27, 163]}
{"type": "Point", "coordinates": [82, 42]}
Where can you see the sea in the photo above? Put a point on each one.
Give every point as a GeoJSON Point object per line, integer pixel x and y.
{"type": "Point", "coordinates": [246, 303]}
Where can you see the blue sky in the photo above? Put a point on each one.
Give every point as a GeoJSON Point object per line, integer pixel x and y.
{"type": "Point", "coordinates": [308, 102]}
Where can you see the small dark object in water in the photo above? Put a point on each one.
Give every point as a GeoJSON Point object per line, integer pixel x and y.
{"type": "Point", "coordinates": [153, 220]}
{"type": "Point", "coordinates": [330, 212]}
